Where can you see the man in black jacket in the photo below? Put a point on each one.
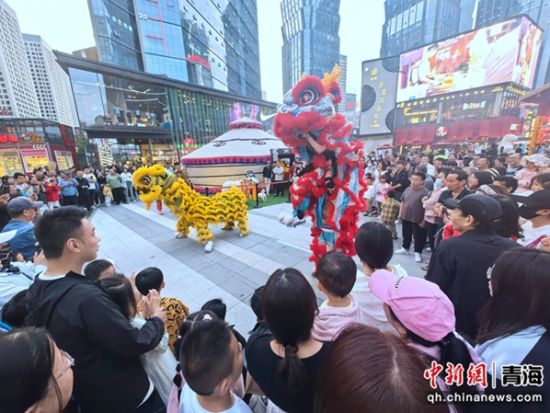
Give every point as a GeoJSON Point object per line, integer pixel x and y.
{"type": "Point", "coordinates": [400, 180]}
{"type": "Point", "coordinates": [459, 265]}
{"type": "Point", "coordinates": [84, 322]}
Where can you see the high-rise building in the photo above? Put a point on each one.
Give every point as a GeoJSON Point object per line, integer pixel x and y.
{"type": "Point", "coordinates": [208, 43]}
{"type": "Point", "coordinates": [51, 83]}
{"type": "Point", "coordinates": [343, 63]}
{"type": "Point", "coordinates": [17, 95]}
{"type": "Point", "coordinates": [467, 15]}
{"type": "Point", "coordinates": [350, 102]}
{"type": "Point", "coordinates": [160, 37]}
{"type": "Point", "coordinates": [489, 11]}
{"type": "Point", "coordinates": [310, 38]}
{"type": "Point", "coordinates": [221, 44]}
{"type": "Point", "coordinates": [413, 23]}
{"type": "Point", "coordinates": [115, 31]}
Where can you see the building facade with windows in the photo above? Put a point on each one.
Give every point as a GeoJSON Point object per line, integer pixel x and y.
{"type": "Point", "coordinates": [211, 43]}
{"type": "Point", "coordinates": [51, 83]}
{"type": "Point", "coordinates": [350, 102]}
{"type": "Point", "coordinates": [115, 31]}
{"type": "Point", "coordinates": [311, 43]}
{"type": "Point", "coordinates": [160, 37]}
{"type": "Point", "coordinates": [131, 114]}
{"type": "Point", "coordinates": [17, 94]}
{"type": "Point", "coordinates": [490, 11]}
{"type": "Point", "coordinates": [412, 23]}
{"type": "Point", "coordinates": [221, 43]}
{"type": "Point", "coordinates": [343, 63]}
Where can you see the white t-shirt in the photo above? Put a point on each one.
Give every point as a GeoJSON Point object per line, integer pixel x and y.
{"type": "Point", "coordinates": [126, 176]}
{"type": "Point", "coordinates": [91, 180]}
{"type": "Point", "coordinates": [279, 173]}
{"type": "Point", "coordinates": [189, 403]}
{"type": "Point", "coordinates": [371, 309]}
{"type": "Point", "coordinates": [530, 234]}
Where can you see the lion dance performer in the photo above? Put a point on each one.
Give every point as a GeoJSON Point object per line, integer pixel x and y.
{"type": "Point", "coordinates": [331, 187]}
{"type": "Point", "coordinates": [155, 183]}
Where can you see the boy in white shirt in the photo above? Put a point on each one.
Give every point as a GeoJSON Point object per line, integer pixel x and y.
{"type": "Point", "coordinates": [211, 361]}
{"type": "Point", "coordinates": [128, 185]}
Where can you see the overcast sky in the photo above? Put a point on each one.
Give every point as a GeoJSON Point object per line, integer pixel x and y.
{"type": "Point", "coordinates": [66, 26]}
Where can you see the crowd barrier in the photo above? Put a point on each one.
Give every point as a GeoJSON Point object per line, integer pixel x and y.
{"type": "Point", "coordinates": [251, 189]}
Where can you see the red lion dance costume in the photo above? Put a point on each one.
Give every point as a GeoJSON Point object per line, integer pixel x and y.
{"type": "Point", "coordinates": [331, 189]}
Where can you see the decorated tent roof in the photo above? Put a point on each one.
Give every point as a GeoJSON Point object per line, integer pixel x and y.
{"type": "Point", "coordinates": [245, 142]}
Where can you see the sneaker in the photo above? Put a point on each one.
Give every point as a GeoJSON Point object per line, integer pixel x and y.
{"type": "Point", "coordinates": [402, 251]}
{"type": "Point", "coordinates": [418, 257]}
{"type": "Point", "coordinates": [428, 249]}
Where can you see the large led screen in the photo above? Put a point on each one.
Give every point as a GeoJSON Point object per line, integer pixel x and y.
{"type": "Point", "coordinates": [503, 52]}
{"type": "Point", "coordinates": [379, 81]}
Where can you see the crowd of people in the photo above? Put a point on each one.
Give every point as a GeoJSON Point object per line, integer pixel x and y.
{"type": "Point", "coordinates": [79, 336]}
{"type": "Point", "coordinates": [87, 187]}
{"type": "Point", "coordinates": [421, 191]}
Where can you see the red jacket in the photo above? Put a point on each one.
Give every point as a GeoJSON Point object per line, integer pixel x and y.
{"type": "Point", "coordinates": [52, 192]}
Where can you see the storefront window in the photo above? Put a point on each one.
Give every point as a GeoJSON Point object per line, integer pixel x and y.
{"type": "Point", "coordinates": [203, 117]}
{"type": "Point", "coordinates": [54, 134]}
{"type": "Point", "coordinates": [161, 152]}
{"type": "Point", "coordinates": [10, 162]}
{"type": "Point", "coordinates": [109, 100]}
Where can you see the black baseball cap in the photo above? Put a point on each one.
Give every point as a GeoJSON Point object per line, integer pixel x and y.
{"type": "Point", "coordinates": [483, 208]}
{"type": "Point", "coordinates": [537, 200]}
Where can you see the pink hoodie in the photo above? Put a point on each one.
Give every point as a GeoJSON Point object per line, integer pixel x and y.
{"type": "Point", "coordinates": [332, 320]}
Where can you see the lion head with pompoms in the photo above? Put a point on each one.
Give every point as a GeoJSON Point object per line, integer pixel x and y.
{"type": "Point", "coordinates": [309, 107]}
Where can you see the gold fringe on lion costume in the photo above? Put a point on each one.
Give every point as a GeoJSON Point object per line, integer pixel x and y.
{"type": "Point", "coordinates": [192, 209]}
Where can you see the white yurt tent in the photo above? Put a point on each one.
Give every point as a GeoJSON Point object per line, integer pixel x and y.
{"type": "Point", "coordinates": [245, 147]}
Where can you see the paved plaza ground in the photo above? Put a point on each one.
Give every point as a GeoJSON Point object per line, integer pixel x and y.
{"type": "Point", "coordinates": [135, 238]}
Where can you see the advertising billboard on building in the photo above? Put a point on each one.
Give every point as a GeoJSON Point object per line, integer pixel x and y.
{"type": "Point", "coordinates": [503, 52]}
{"type": "Point", "coordinates": [379, 81]}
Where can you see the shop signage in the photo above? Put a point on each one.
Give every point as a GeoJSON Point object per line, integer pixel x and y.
{"type": "Point", "coordinates": [10, 163]}
{"type": "Point", "coordinates": [21, 138]}
{"type": "Point", "coordinates": [33, 159]}
{"type": "Point", "coordinates": [8, 139]}
{"type": "Point", "coordinates": [64, 160]}
{"type": "Point", "coordinates": [198, 59]}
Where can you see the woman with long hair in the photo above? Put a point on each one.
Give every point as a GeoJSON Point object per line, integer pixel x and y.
{"type": "Point", "coordinates": [515, 324]}
{"type": "Point", "coordinates": [476, 179]}
{"type": "Point", "coordinates": [36, 375]}
{"type": "Point", "coordinates": [508, 226]}
{"type": "Point", "coordinates": [285, 364]}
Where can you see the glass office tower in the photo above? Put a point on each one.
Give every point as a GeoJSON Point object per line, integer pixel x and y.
{"type": "Point", "coordinates": [310, 38]}
{"type": "Point", "coordinates": [208, 43]}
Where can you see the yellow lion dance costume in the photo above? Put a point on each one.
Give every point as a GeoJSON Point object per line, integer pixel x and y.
{"type": "Point", "coordinates": [192, 209]}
